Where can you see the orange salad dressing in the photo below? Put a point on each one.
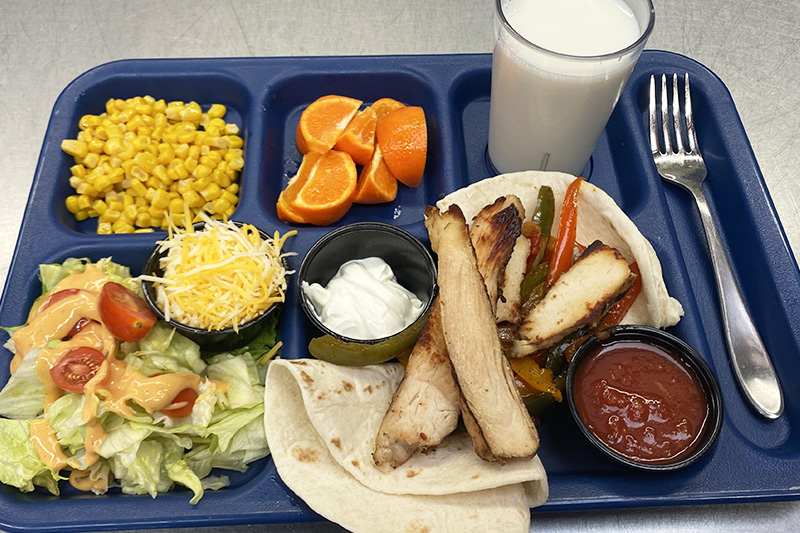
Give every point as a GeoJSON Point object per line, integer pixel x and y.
{"type": "Point", "coordinates": [115, 382]}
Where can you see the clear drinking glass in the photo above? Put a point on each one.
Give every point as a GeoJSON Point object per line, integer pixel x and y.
{"type": "Point", "coordinates": [548, 108]}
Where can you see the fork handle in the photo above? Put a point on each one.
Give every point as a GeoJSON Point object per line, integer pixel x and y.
{"type": "Point", "coordinates": [749, 358]}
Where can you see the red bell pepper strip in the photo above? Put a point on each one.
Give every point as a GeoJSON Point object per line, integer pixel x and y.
{"type": "Point", "coordinates": [536, 245]}
{"type": "Point", "coordinates": [565, 240]}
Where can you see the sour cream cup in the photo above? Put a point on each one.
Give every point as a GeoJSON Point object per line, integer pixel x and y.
{"type": "Point", "coordinates": [412, 265]}
{"type": "Point", "coordinates": [600, 345]}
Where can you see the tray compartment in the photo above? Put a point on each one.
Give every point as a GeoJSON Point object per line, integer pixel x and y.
{"type": "Point", "coordinates": [290, 94]}
{"type": "Point", "coordinates": [205, 88]}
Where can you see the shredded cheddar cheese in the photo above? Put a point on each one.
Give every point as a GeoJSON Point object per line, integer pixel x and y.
{"type": "Point", "coordinates": [220, 277]}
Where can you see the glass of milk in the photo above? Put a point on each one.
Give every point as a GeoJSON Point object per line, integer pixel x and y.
{"type": "Point", "coordinates": [558, 69]}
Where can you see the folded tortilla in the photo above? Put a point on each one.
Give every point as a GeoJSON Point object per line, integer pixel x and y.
{"type": "Point", "coordinates": [599, 218]}
{"type": "Point", "coordinates": [321, 421]}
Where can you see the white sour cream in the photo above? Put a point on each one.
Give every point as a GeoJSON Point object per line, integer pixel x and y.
{"type": "Point", "coordinates": [364, 300]}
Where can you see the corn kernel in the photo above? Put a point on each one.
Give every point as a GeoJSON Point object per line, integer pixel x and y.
{"type": "Point", "coordinates": [231, 198]}
{"type": "Point", "coordinates": [139, 174]}
{"type": "Point", "coordinates": [202, 183]}
{"type": "Point", "coordinates": [88, 121]}
{"type": "Point", "coordinates": [75, 148]}
{"type": "Point", "coordinates": [143, 220]}
{"type": "Point", "coordinates": [140, 142]}
{"type": "Point", "coordinates": [79, 171]}
{"type": "Point", "coordinates": [116, 175]}
{"type": "Point", "coordinates": [101, 182]}
{"type": "Point", "coordinates": [182, 151]}
{"type": "Point", "coordinates": [146, 161]}
{"type": "Point", "coordinates": [201, 171]}
{"type": "Point", "coordinates": [138, 187]}
{"type": "Point", "coordinates": [191, 113]}
{"type": "Point", "coordinates": [231, 129]}
{"type": "Point", "coordinates": [176, 205]}
{"type": "Point", "coordinates": [111, 215]}
{"type": "Point", "coordinates": [216, 111]}
{"type": "Point", "coordinates": [72, 204]}
{"type": "Point", "coordinates": [221, 179]}
{"type": "Point", "coordinates": [86, 189]}
{"type": "Point", "coordinates": [104, 228]}
{"type": "Point", "coordinates": [129, 213]}
{"type": "Point", "coordinates": [211, 192]}
{"type": "Point", "coordinates": [186, 137]}
{"type": "Point", "coordinates": [193, 199]}
{"type": "Point", "coordinates": [81, 215]}
{"type": "Point", "coordinates": [233, 188]}
{"type": "Point", "coordinates": [160, 199]}
{"type": "Point", "coordinates": [236, 163]}
{"type": "Point", "coordinates": [220, 205]}
{"type": "Point", "coordinates": [84, 202]}
{"type": "Point", "coordinates": [165, 154]}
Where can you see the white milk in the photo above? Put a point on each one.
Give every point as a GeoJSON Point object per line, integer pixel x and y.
{"type": "Point", "coordinates": [548, 109]}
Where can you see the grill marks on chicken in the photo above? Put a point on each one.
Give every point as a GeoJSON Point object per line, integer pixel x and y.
{"type": "Point", "coordinates": [494, 235]}
{"type": "Point", "coordinates": [425, 407]}
{"type": "Point", "coordinates": [580, 297]}
{"type": "Point", "coordinates": [482, 371]}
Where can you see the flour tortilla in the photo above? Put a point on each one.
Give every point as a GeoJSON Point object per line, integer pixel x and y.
{"type": "Point", "coordinates": [599, 218]}
{"type": "Point", "coordinates": [321, 420]}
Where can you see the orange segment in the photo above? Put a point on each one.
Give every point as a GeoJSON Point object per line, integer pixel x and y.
{"type": "Point", "coordinates": [376, 184]}
{"type": "Point", "coordinates": [403, 138]}
{"type": "Point", "coordinates": [323, 122]}
{"type": "Point", "coordinates": [358, 138]}
{"type": "Point", "coordinates": [285, 211]}
{"type": "Point", "coordinates": [384, 106]}
{"type": "Point", "coordinates": [322, 190]}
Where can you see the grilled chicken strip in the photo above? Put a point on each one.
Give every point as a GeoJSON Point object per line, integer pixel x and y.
{"type": "Point", "coordinates": [482, 371]}
{"type": "Point", "coordinates": [494, 234]}
{"type": "Point", "coordinates": [425, 407]}
{"type": "Point", "coordinates": [580, 297]}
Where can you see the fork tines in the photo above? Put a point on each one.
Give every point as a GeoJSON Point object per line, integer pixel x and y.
{"type": "Point", "coordinates": [678, 130]}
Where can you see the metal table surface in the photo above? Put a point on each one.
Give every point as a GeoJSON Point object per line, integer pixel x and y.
{"type": "Point", "coordinates": [753, 45]}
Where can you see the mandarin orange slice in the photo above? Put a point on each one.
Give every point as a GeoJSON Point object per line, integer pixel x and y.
{"type": "Point", "coordinates": [322, 123]}
{"type": "Point", "coordinates": [358, 138]}
{"type": "Point", "coordinates": [376, 184]}
{"type": "Point", "coordinates": [403, 138]}
{"type": "Point", "coordinates": [323, 189]}
{"type": "Point", "coordinates": [384, 106]}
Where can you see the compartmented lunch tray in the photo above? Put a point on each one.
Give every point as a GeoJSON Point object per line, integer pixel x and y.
{"type": "Point", "coordinates": [753, 458]}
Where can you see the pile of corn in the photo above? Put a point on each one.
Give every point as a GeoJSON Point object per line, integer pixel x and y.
{"type": "Point", "coordinates": [146, 164]}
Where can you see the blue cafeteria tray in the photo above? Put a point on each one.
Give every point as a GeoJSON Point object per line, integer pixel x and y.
{"type": "Point", "coordinates": [753, 459]}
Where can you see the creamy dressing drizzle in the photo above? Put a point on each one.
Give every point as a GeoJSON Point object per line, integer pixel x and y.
{"type": "Point", "coordinates": [115, 382]}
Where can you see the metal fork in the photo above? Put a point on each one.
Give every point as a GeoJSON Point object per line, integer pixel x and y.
{"type": "Point", "coordinates": [685, 167]}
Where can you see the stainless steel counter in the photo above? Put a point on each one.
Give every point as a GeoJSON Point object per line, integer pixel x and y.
{"type": "Point", "coordinates": [753, 46]}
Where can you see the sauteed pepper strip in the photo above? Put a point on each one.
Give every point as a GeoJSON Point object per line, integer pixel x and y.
{"type": "Point", "coordinates": [565, 241]}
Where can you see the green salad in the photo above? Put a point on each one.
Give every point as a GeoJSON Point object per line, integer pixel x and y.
{"type": "Point", "coordinates": [142, 451]}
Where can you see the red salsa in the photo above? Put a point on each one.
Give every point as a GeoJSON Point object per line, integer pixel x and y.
{"type": "Point", "coordinates": [641, 401]}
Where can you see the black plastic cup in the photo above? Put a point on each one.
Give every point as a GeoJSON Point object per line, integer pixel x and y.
{"type": "Point", "coordinates": [410, 260]}
{"type": "Point", "coordinates": [214, 340]}
{"type": "Point", "coordinates": [682, 351]}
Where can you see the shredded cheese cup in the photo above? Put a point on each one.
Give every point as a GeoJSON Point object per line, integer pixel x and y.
{"type": "Point", "coordinates": [221, 276]}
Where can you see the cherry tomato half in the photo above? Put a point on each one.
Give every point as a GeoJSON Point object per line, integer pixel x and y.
{"type": "Point", "coordinates": [76, 367]}
{"type": "Point", "coordinates": [57, 296]}
{"type": "Point", "coordinates": [125, 313]}
{"type": "Point", "coordinates": [182, 404]}
{"type": "Point", "coordinates": [79, 325]}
